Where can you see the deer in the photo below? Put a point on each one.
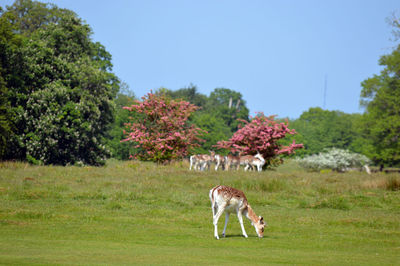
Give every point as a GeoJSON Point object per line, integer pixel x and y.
{"type": "Point", "coordinates": [219, 161]}
{"type": "Point", "coordinates": [247, 160]}
{"type": "Point", "coordinates": [231, 200]}
{"type": "Point", "coordinates": [232, 161]}
{"type": "Point", "coordinates": [201, 161]}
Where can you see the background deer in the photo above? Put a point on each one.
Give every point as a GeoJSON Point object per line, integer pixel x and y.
{"type": "Point", "coordinates": [219, 161]}
{"type": "Point", "coordinates": [232, 161]}
{"type": "Point", "coordinates": [231, 200]}
{"type": "Point", "coordinates": [248, 161]}
{"type": "Point", "coordinates": [201, 161]}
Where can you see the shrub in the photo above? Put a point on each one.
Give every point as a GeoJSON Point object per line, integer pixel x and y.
{"type": "Point", "coordinates": [160, 128]}
{"type": "Point", "coordinates": [261, 134]}
{"type": "Point", "coordinates": [335, 159]}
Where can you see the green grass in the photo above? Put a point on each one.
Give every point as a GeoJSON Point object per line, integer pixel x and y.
{"type": "Point", "coordinates": [141, 213]}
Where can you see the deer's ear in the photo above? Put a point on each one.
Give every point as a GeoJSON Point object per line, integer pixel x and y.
{"type": "Point", "coordinates": [261, 219]}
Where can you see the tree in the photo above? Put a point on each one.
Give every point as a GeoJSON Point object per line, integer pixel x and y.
{"type": "Point", "coordinates": [320, 129]}
{"type": "Point", "coordinates": [229, 106]}
{"type": "Point", "coordinates": [29, 16]}
{"type": "Point", "coordinates": [261, 135]}
{"type": "Point", "coordinates": [217, 114]}
{"type": "Point", "coordinates": [189, 94]}
{"type": "Point", "coordinates": [118, 149]}
{"type": "Point", "coordinates": [160, 128]}
{"type": "Point", "coordinates": [9, 43]}
{"type": "Point", "coordinates": [215, 128]}
{"type": "Point", "coordinates": [381, 98]}
{"type": "Point", "coordinates": [61, 92]}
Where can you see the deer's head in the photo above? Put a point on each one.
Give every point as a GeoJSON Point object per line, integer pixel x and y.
{"type": "Point", "coordinates": [260, 226]}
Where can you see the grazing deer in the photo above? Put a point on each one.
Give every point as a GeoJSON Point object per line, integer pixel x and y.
{"type": "Point", "coordinates": [231, 200]}
{"type": "Point", "coordinates": [232, 161]}
{"type": "Point", "coordinates": [201, 161]}
{"type": "Point", "coordinates": [219, 161]}
{"type": "Point", "coordinates": [249, 161]}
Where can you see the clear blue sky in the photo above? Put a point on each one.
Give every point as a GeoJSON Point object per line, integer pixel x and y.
{"type": "Point", "coordinates": [276, 53]}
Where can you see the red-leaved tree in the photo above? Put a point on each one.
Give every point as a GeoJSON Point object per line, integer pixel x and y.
{"type": "Point", "coordinates": [261, 134]}
{"type": "Point", "coordinates": [160, 128]}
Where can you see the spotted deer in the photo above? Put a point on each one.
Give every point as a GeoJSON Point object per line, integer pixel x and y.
{"type": "Point", "coordinates": [248, 161]}
{"type": "Point", "coordinates": [232, 161]}
{"type": "Point", "coordinates": [219, 161]}
{"type": "Point", "coordinates": [201, 161]}
{"type": "Point", "coordinates": [231, 200]}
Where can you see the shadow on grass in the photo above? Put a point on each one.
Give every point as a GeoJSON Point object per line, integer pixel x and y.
{"type": "Point", "coordinates": [241, 236]}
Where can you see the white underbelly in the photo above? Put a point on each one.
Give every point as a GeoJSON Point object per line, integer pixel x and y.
{"type": "Point", "coordinates": [233, 205]}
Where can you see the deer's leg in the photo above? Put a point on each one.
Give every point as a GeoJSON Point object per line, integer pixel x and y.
{"type": "Point", "coordinates": [213, 209]}
{"type": "Point", "coordinates": [226, 223]}
{"type": "Point", "coordinates": [216, 218]}
{"type": "Point", "coordinates": [240, 218]}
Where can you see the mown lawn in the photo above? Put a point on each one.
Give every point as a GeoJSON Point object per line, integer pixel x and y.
{"type": "Point", "coordinates": [141, 213]}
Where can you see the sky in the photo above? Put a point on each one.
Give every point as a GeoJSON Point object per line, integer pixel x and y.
{"type": "Point", "coordinates": [280, 55]}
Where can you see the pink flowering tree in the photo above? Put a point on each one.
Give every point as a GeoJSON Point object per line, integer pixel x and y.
{"type": "Point", "coordinates": [160, 128]}
{"type": "Point", "coordinates": [261, 134]}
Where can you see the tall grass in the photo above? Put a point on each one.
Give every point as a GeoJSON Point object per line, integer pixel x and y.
{"type": "Point", "coordinates": [143, 213]}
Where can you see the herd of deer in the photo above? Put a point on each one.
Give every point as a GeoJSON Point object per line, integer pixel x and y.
{"type": "Point", "coordinates": [203, 162]}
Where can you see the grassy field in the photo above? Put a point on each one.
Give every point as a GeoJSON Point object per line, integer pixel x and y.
{"type": "Point", "coordinates": [141, 213]}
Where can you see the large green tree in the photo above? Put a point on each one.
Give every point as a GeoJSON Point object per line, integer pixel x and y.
{"type": "Point", "coordinates": [60, 88]}
{"type": "Point", "coordinates": [228, 105]}
{"type": "Point", "coordinates": [190, 94]}
{"type": "Point", "coordinates": [319, 129]}
{"type": "Point", "coordinates": [381, 98]}
{"type": "Point", "coordinates": [9, 43]}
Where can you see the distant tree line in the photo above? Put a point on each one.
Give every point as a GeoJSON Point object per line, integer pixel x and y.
{"type": "Point", "coordinates": [60, 102]}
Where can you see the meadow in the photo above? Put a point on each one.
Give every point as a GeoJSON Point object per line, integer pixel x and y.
{"type": "Point", "coordinates": [142, 213]}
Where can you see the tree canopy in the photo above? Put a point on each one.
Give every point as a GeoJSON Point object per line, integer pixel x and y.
{"type": "Point", "coordinates": [59, 86]}
{"type": "Point", "coordinates": [381, 98]}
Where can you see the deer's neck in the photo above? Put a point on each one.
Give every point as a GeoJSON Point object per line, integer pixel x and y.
{"type": "Point", "coordinates": [251, 215]}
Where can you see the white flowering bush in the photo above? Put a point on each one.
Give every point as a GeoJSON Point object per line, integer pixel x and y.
{"type": "Point", "coordinates": [335, 159]}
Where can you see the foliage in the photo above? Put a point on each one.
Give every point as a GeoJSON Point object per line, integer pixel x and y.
{"type": "Point", "coordinates": [381, 98]}
{"type": "Point", "coordinates": [161, 129]}
{"type": "Point", "coordinates": [28, 16]}
{"type": "Point", "coordinates": [229, 105]}
{"type": "Point", "coordinates": [217, 113]}
{"type": "Point", "coordinates": [60, 89]}
{"type": "Point", "coordinates": [9, 42]}
{"type": "Point", "coordinates": [215, 128]}
{"type": "Point", "coordinates": [261, 134]}
{"type": "Point", "coordinates": [336, 159]}
{"type": "Point", "coordinates": [319, 129]}
{"type": "Point", "coordinates": [189, 94]}
{"type": "Point", "coordinates": [118, 149]}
